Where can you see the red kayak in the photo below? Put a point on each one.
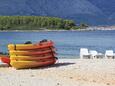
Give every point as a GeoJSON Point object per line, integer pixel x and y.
{"type": "Point", "coordinates": [5, 59]}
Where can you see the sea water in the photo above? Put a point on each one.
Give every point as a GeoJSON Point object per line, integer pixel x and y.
{"type": "Point", "coordinates": [68, 43]}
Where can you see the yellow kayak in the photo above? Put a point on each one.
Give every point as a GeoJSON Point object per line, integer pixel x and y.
{"type": "Point", "coordinates": [15, 52]}
{"type": "Point", "coordinates": [30, 58]}
{"type": "Point", "coordinates": [31, 64]}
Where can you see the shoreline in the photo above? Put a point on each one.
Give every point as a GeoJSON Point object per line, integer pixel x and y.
{"type": "Point", "coordinates": [56, 30]}
{"type": "Point", "coordinates": [66, 72]}
{"type": "Point", "coordinates": [90, 28]}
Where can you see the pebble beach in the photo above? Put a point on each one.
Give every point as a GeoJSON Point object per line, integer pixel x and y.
{"type": "Point", "coordinates": [66, 72]}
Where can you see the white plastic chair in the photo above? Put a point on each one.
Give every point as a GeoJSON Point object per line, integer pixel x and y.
{"type": "Point", "coordinates": [93, 54]}
{"type": "Point", "coordinates": [84, 53]}
{"type": "Point", "coordinates": [109, 54]}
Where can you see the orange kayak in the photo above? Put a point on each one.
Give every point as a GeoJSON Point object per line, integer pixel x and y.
{"type": "Point", "coordinates": [30, 46]}
{"type": "Point", "coordinates": [31, 64]}
{"type": "Point", "coordinates": [39, 49]}
{"type": "Point", "coordinates": [14, 52]}
{"type": "Point", "coordinates": [41, 55]}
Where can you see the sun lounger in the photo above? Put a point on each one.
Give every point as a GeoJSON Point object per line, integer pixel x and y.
{"type": "Point", "coordinates": [100, 55]}
{"type": "Point", "coordinates": [84, 54]}
{"type": "Point", "coordinates": [109, 54]}
{"type": "Point", "coordinates": [95, 55]}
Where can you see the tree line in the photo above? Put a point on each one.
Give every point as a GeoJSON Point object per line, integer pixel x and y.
{"type": "Point", "coordinates": [35, 23]}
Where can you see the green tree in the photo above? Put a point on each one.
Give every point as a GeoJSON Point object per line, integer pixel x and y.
{"type": "Point", "coordinates": [83, 25]}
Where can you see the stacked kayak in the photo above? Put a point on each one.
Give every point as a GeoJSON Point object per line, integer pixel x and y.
{"type": "Point", "coordinates": [32, 55]}
{"type": "Point", "coordinates": [4, 61]}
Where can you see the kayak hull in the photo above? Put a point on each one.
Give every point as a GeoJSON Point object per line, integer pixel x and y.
{"type": "Point", "coordinates": [5, 59]}
{"type": "Point", "coordinates": [15, 52]}
{"type": "Point", "coordinates": [31, 58]}
{"type": "Point", "coordinates": [30, 46]}
{"type": "Point", "coordinates": [31, 64]}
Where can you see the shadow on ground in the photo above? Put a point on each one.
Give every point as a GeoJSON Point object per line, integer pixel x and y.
{"type": "Point", "coordinates": [55, 65]}
{"type": "Point", "coordinates": [51, 66]}
{"type": "Point", "coordinates": [62, 64]}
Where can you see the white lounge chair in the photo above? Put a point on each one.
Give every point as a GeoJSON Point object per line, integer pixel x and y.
{"type": "Point", "coordinates": [84, 54]}
{"type": "Point", "coordinates": [109, 54]}
{"type": "Point", "coordinates": [95, 55]}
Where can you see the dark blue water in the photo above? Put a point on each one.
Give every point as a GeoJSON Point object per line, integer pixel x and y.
{"type": "Point", "coordinates": [67, 43]}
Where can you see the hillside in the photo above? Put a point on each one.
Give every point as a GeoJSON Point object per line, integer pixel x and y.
{"type": "Point", "coordinates": [93, 12]}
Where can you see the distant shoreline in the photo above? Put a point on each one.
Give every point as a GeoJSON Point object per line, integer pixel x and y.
{"type": "Point", "coordinates": [46, 30]}
{"type": "Point", "coordinates": [38, 30]}
{"type": "Point", "coordinates": [53, 30]}
{"type": "Point", "coordinates": [91, 28]}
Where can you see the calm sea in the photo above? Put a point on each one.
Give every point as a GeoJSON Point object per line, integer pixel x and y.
{"type": "Point", "coordinates": [67, 43]}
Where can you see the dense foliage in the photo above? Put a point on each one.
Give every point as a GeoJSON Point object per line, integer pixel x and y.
{"type": "Point", "coordinates": [35, 23]}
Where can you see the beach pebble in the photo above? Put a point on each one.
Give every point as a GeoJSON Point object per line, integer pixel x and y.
{"type": "Point", "coordinates": [108, 83]}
